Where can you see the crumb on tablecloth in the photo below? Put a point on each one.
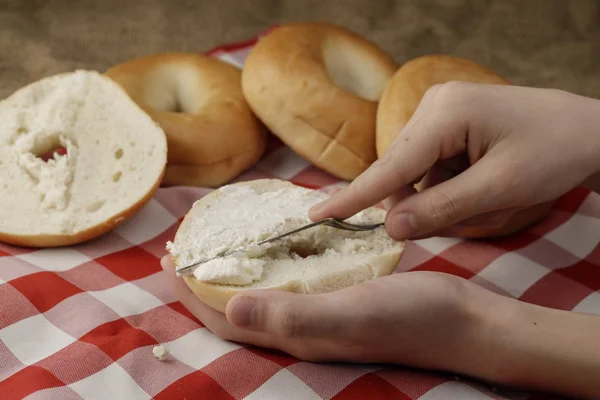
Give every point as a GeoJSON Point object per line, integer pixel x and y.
{"type": "Point", "coordinates": [160, 352]}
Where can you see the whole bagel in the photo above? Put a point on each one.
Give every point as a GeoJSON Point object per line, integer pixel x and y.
{"type": "Point", "coordinates": [402, 97]}
{"type": "Point", "coordinates": [212, 134]}
{"type": "Point", "coordinates": [316, 86]}
{"type": "Point", "coordinates": [405, 90]}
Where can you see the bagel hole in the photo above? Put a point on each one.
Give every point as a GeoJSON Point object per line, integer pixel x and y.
{"type": "Point", "coordinates": [352, 70]}
{"type": "Point", "coordinates": [49, 148]}
{"type": "Point", "coordinates": [304, 250]}
{"type": "Point", "coordinates": [118, 153]}
{"type": "Point", "coordinates": [95, 206]}
{"type": "Point", "coordinates": [117, 176]}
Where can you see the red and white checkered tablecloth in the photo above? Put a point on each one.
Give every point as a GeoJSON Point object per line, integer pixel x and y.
{"type": "Point", "coordinates": [81, 322]}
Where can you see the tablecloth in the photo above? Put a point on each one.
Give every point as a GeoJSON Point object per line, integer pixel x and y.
{"type": "Point", "coordinates": [81, 322]}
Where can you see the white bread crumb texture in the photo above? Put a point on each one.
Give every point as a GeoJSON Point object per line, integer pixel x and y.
{"type": "Point", "coordinates": [113, 154]}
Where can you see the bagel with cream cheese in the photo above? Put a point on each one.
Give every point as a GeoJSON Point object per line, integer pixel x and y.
{"type": "Point", "coordinates": [212, 134]}
{"type": "Point", "coordinates": [78, 157]}
{"type": "Point", "coordinates": [316, 86]}
{"type": "Point", "coordinates": [321, 259]}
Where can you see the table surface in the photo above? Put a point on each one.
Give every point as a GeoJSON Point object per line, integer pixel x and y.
{"type": "Point", "coordinates": [81, 322]}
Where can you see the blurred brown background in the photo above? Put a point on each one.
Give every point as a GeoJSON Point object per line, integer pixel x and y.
{"type": "Point", "coordinates": [552, 43]}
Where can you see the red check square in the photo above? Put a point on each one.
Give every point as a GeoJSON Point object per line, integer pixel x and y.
{"type": "Point", "coordinates": [556, 291]}
{"type": "Point", "coordinates": [117, 338]}
{"type": "Point", "coordinates": [440, 264]}
{"type": "Point", "coordinates": [370, 387]}
{"type": "Point", "coordinates": [584, 272]}
{"type": "Point", "coordinates": [193, 385]}
{"type": "Point", "coordinates": [36, 288]}
{"type": "Point", "coordinates": [131, 264]}
{"type": "Point", "coordinates": [28, 380]}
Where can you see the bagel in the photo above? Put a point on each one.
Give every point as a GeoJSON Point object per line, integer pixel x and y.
{"type": "Point", "coordinates": [405, 90]}
{"type": "Point", "coordinates": [317, 260]}
{"type": "Point", "coordinates": [316, 87]}
{"type": "Point", "coordinates": [212, 134]}
{"type": "Point", "coordinates": [109, 160]}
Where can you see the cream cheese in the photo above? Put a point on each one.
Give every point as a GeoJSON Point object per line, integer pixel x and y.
{"type": "Point", "coordinates": [232, 270]}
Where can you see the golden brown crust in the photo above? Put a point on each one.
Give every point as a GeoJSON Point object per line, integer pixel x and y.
{"type": "Point", "coordinates": [316, 87]}
{"type": "Point", "coordinates": [216, 136]}
{"type": "Point", "coordinates": [40, 241]}
{"type": "Point", "coordinates": [408, 85]}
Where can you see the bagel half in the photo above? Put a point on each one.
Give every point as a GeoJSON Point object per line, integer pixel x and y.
{"type": "Point", "coordinates": [115, 158]}
{"type": "Point", "coordinates": [405, 90]}
{"type": "Point", "coordinates": [212, 134]}
{"type": "Point", "coordinates": [316, 87]}
{"type": "Point", "coordinates": [317, 260]}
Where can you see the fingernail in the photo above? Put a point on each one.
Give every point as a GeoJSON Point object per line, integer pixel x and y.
{"type": "Point", "coordinates": [403, 226]}
{"type": "Point", "coordinates": [314, 211]}
{"type": "Point", "coordinates": [243, 312]}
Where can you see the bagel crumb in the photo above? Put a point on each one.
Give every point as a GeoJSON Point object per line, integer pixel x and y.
{"type": "Point", "coordinates": [160, 352]}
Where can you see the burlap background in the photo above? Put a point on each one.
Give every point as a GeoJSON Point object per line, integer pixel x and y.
{"type": "Point", "coordinates": [532, 42]}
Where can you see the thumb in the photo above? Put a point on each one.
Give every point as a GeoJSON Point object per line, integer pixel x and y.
{"type": "Point", "coordinates": [285, 314]}
{"type": "Point", "coordinates": [471, 193]}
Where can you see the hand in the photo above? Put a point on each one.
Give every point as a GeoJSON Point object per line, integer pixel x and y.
{"type": "Point", "coordinates": [416, 318]}
{"type": "Point", "coordinates": [421, 319]}
{"type": "Point", "coordinates": [492, 159]}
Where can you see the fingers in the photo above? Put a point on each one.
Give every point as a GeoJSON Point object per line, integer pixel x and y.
{"type": "Point", "coordinates": [399, 195]}
{"type": "Point", "coordinates": [287, 315]}
{"type": "Point", "coordinates": [398, 168]}
{"type": "Point", "coordinates": [305, 326]}
{"type": "Point", "coordinates": [437, 130]}
{"type": "Point", "coordinates": [439, 207]}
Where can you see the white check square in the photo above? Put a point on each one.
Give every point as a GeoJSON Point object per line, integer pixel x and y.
{"type": "Point", "coordinates": [199, 348]}
{"type": "Point", "coordinates": [283, 382]}
{"type": "Point", "coordinates": [33, 339]}
{"type": "Point", "coordinates": [57, 259]}
{"type": "Point", "coordinates": [127, 299]}
{"type": "Point", "coordinates": [454, 390]}
{"type": "Point", "coordinates": [513, 273]}
{"type": "Point", "coordinates": [437, 245]}
{"type": "Point", "coordinates": [113, 382]}
{"type": "Point", "coordinates": [579, 235]}
{"type": "Point", "coordinates": [589, 305]}
{"type": "Point", "coordinates": [152, 220]}
{"type": "Point", "coordinates": [228, 58]}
